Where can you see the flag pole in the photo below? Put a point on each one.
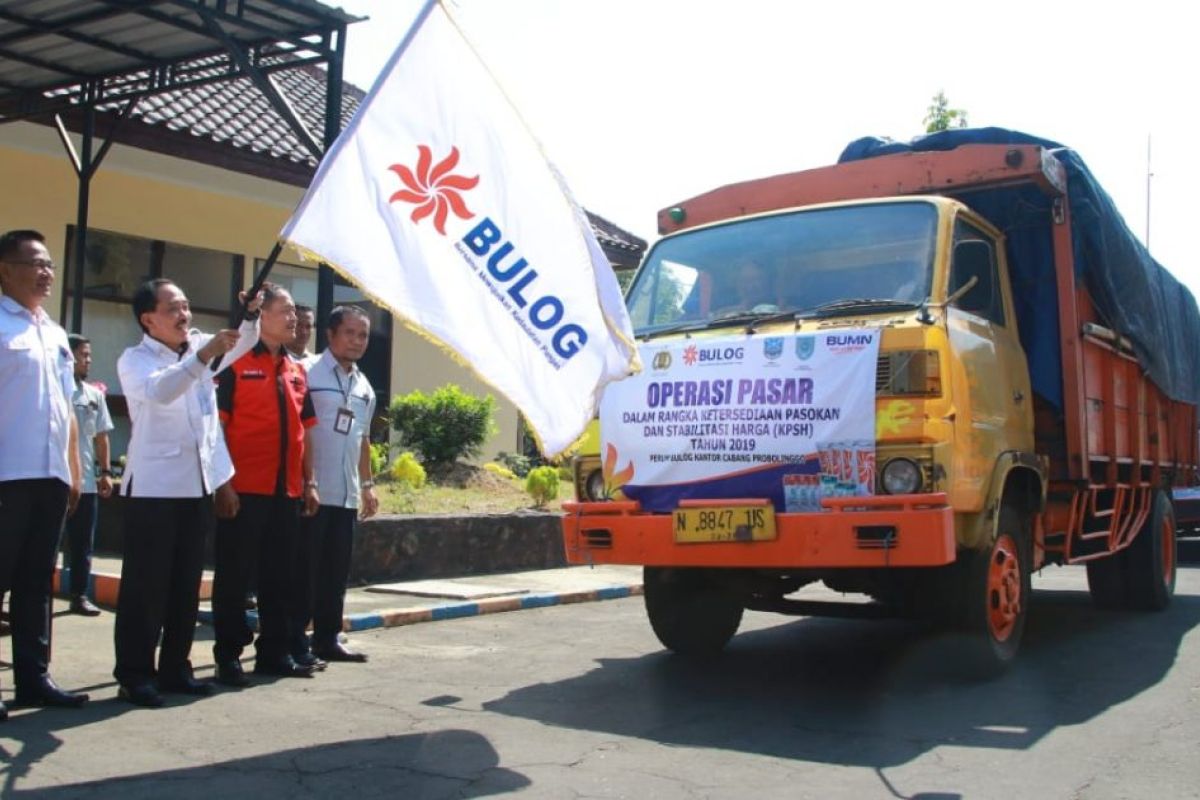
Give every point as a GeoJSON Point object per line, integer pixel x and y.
{"type": "Point", "coordinates": [259, 279]}
{"type": "Point", "coordinates": [263, 272]}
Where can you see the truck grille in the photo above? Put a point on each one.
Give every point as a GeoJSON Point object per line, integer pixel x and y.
{"type": "Point", "coordinates": [883, 373]}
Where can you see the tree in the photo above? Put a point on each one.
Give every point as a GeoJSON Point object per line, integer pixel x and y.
{"type": "Point", "coordinates": [941, 117]}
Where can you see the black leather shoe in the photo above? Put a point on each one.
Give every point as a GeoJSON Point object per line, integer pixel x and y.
{"type": "Point", "coordinates": [48, 693]}
{"type": "Point", "coordinates": [309, 659]}
{"type": "Point", "coordinates": [340, 652]}
{"type": "Point", "coordinates": [231, 673]}
{"type": "Point", "coordinates": [287, 668]}
{"type": "Point", "coordinates": [82, 606]}
{"type": "Point", "coordinates": [144, 695]}
{"type": "Point", "coordinates": [186, 685]}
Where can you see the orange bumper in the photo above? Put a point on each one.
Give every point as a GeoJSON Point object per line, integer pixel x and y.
{"type": "Point", "coordinates": [882, 531]}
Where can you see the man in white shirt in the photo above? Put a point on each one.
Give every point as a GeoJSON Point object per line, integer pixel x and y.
{"type": "Point", "coordinates": [39, 462]}
{"type": "Point", "coordinates": [177, 461]}
{"type": "Point", "coordinates": [341, 441]}
{"type": "Point", "coordinates": [94, 423]}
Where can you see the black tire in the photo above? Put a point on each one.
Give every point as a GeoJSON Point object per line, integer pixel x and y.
{"type": "Point", "coordinates": [1150, 560]}
{"type": "Point", "coordinates": [1106, 582]}
{"type": "Point", "coordinates": [998, 589]}
{"type": "Point", "coordinates": [691, 613]}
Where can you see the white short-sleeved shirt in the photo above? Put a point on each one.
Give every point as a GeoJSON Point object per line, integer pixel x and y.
{"type": "Point", "coordinates": [91, 412]}
{"type": "Point", "coordinates": [37, 380]}
{"type": "Point", "coordinates": [335, 455]}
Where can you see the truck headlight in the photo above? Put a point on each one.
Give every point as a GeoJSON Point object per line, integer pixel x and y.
{"type": "Point", "coordinates": [593, 487]}
{"type": "Point", "coordinates": [901, 476]}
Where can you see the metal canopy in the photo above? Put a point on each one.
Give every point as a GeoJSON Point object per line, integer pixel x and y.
{"type": "Point", "coordinates": [61, 54]}
{"type": "Point", "coordinates": [93, 56]}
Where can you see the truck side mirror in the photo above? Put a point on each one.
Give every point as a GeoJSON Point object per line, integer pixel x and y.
{"type": "Point", "coordinates": [973, 259]}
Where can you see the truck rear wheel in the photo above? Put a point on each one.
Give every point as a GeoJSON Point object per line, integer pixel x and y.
{"type": "Point", "coordinates": [691, 613]}
{"type": "Point", "coordinates": [998, 590]}
{"type": "Point", "coordinates": [1150, 559]}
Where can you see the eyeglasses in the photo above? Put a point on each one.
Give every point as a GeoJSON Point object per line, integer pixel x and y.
{"type": "Point", "coordinates": [40, 263]}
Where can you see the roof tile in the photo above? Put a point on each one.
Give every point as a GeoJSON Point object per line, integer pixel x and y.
{"type": "Point", "coordinates": [235, 113]}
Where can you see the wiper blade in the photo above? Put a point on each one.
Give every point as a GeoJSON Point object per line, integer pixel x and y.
{"type": "Point", "coordinates": [858, 303]}
{"type": "Point", "coordinates": [683, 327]}
{"type": "Point", "coordinates": [750, 318]}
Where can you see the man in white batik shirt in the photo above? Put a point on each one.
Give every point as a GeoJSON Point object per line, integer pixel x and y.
{"type": "Point", "coordinates": [177, 465]}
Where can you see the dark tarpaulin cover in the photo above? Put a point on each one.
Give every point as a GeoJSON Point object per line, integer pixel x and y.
{"type": "Point", "coordinates": [1133, 293]}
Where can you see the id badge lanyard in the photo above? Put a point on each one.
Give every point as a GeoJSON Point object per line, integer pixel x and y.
{"type": "Point", "coordinates": [345, 415]}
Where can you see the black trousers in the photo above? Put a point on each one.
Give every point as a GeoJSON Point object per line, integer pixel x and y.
{"type": "Point", "coordinates": [264, 532]}
{"type": "Point", "coordinates": [31, 522]}
{"type": "Point", "coordinates": [80, 537]}
{"type": "Point", "coordinates": [323, 562]}
{"type": "Point", "coordinates": [160, 586]}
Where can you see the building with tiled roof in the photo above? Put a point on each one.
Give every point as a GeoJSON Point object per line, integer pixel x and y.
{"type": "Point", "coordinates": [196, 188]}
{"type": "Point", "coordinates": [232, 125]}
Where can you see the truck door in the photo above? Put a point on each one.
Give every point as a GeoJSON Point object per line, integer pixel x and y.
{"type": "Point", "coordinates": [996, 413]}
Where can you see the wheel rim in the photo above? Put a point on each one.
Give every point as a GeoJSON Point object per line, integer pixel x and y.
{"type": "Point", "coordinates": [1004, 589]}
{"type": "Point", "coordinates": [1168, 550]}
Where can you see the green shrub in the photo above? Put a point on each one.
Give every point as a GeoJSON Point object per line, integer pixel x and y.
{"type": "Point", "coordinates": [444, 426]}
{"type": "Point", "coordinates": [379, 457]}
{"type": "Point", "coordinates": [542, 485]}
{"type": "Point", "coordinates": [499, 469]}
{"type": "Point", "coordinates": [407, 470]}
{"type": "Point", "coordinates": [566, 473]}
{"type": "Point", "coordinates": [519, 464]}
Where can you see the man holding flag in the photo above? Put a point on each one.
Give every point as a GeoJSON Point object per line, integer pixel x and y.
{"type": "Point", "coordinates": [439, 203]}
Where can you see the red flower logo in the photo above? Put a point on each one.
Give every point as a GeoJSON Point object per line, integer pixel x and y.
{"type": "Point", "coordinates": [690, 354]}
{"type": "Point", "coordinates": [434, 189]}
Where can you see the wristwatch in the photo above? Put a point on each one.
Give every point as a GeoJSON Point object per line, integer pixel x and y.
{"type": "Point", "coordinates": [367, 484]}
{"type": "Point", "coordinates": [310, 484]}
{"type": "Point", "coordinates": [106, 473]}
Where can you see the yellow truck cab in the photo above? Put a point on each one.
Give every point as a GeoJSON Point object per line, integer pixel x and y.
{"type": "Point", "coordinates": [836, 390]}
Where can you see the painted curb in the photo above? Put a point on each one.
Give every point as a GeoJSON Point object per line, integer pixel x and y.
{"type": "Point", "coordinates": [104, 587]}
{"type": "Point", "coordinates": [392, 618]}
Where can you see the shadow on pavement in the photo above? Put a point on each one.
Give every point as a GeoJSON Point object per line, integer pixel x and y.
{"type": "Point", "coordinates": [443, 764]}
{"type": "Point", "coordinates": [874, 694]}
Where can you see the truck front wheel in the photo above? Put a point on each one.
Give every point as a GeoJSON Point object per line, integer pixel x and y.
{"type": "Point", "coordinates": [998, 591]}
{"type": "Point", "coordinates": [690, 611]}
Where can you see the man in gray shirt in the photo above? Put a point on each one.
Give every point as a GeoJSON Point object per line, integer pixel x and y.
{"type": "Point", "coordinates": [345, 403]}
{"type": "Point", "coordinates": [91, 412]}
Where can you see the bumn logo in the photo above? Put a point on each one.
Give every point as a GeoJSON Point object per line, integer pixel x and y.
{"type": "Point", "coordinates": [434, 188]}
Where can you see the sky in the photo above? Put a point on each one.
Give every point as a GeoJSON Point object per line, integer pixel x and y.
{"type": "Point", "coordinates": [643, 103]}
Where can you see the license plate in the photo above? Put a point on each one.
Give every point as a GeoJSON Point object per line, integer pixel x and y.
{"type": "Point", "coordinates": [725, 524]}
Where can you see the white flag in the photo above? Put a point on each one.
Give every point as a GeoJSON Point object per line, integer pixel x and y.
{"type": "Point", "coordinates": [438, 202]}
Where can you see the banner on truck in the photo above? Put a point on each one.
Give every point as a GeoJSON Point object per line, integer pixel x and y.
{"type": "Point", "coordinates": [790, 418]}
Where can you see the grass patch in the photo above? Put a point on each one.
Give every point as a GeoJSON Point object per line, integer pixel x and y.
{"type": "Point", "coordinates": [463, 490]}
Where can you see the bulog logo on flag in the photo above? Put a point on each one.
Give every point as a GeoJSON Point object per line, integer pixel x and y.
{"type": "Point", "coordinates": [438, 202]}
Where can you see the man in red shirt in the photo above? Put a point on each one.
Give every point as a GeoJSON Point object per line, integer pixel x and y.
{"type": "Point", "coordinates": [266, 411]}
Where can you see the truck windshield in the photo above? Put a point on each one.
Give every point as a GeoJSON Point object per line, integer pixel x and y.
{"type": "Point", "coordinates": [796, 262]}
